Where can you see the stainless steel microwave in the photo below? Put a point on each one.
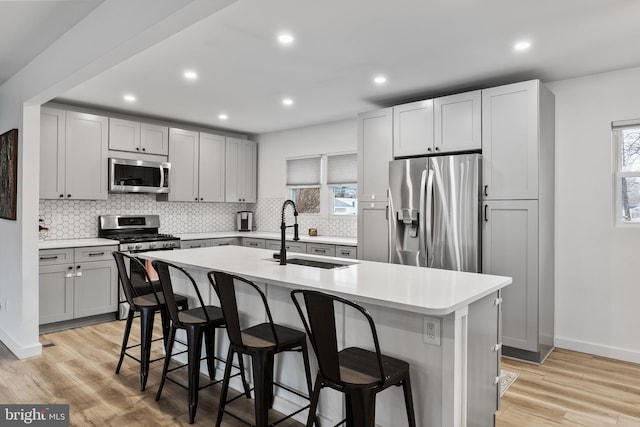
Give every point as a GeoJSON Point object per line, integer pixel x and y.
{"type": "Point", "coordinates": [138, 176]}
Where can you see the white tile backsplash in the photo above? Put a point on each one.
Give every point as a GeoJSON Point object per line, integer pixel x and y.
{"type": "Point", "coordinates": [77, 219]}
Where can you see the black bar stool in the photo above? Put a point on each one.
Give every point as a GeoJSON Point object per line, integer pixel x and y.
{"type": "Point", "coordinates": [142, 299]}
{"type": "Point", "coordinates": [358, 373]}
{"type": "Point", "coordinates": [197, 322]}
{"type": "Point", "coordinates": [261, 342]}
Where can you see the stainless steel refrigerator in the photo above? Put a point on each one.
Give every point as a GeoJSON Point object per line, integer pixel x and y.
{"type": "Point", "coordinates": [434, 212]}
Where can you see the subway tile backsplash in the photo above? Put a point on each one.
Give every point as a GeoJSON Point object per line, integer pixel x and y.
{"type": "Point", "coordinates": [77, 219]}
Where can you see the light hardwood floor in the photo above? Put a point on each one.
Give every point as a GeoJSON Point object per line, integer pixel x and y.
{"type": "Point", "coordinates": [569, 389]}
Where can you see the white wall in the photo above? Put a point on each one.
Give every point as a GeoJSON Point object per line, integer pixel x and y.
{"type": "Point", "coordinates": [84, 51]}
{"type": "Point", "coordinates": [597, 264]}
{"type": "Point", "coordinates": [275, 147]}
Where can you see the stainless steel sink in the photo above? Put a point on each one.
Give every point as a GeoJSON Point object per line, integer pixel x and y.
{"type": "Point", "coordinates": [318, 264]}
{"type": "Point", "coordinates": [328, 265]}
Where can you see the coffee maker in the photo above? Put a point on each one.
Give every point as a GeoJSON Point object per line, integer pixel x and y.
{"type": "Point", "coordinates": [245, 220]}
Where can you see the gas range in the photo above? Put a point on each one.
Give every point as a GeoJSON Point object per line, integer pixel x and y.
{"type": "Point", "coordinates": [136, 233]}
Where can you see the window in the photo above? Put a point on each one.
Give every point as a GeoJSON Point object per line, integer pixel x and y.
{"type": "Point", "coordinates": [627, 139]}
{"type": "Point", "coordinates": [314, 181]}
{"type": "Point", "coordinates": [304, 179]}
{"type": "Point", "coordinates": [342, 178]}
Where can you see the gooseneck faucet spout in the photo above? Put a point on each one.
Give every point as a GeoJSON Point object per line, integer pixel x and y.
{"type": "Point", "coordinates": [284, 226]}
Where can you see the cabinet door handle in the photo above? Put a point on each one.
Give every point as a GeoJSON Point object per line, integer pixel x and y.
{"type": "Point", "coordinates": [497, 347]}
{"type": "Point", "coordinates": [62, 195]}
{"type": "Point", "coordinates": [96, 253]}
{"type": "Point", "coordinates": [223, 244]}
{"type": "Point", "coordinates": [69, 274]}
{"type": "Point", "coordinates": [43, 258]}
{"type": "Point", "coordinates": [345, 253]}
{"type": "Point", "coordinates": [485, 213]}
{"type": "Point", "coordinates": [498, 301]}
{"type": "Point", "coordinates": [386, 211]}
{"type": "Point", "coordinates": [68, 195]}
{"type": "Point", "coordinates": [322, 251]}
{"type": "Point", "coordinates": [486, 187]}
{"type": "Point", "coordinates": [79, 273]}
{"type": "Point", "coordinates": [137, 148]}
{"type": "Point", "coordinates": [437, 148]}
{"type": "Point", "coordinates": [429, 149]}
{"type": "Point", "coordinates": [144, 149]}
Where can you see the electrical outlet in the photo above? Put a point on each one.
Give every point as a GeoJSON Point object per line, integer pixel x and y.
{"type": "Point", "coordinates": [431, 330]}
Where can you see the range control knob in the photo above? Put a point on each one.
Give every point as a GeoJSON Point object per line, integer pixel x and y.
{"type": "Point", "coordinates": [138, 246]}
{"type": "Point", "coordinates": [131, 247]}
{"type": "Point", "coordinates": [152, 245]}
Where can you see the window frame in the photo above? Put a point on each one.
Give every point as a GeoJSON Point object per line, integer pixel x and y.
{"type": "Point", "coordinates": [619, 174]}
{"type": "Point", "coordinates": [326, 189]}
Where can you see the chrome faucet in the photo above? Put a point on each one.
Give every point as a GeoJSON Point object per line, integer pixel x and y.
{"type": "Point", "coordinates": [284, 226]}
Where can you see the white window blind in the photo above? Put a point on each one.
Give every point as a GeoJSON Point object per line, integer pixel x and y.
{"type": "Point", "coordinates": [305, 171]}
{"type": "Point", "coordinates": [342, 169]}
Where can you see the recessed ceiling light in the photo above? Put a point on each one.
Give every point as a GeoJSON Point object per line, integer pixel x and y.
{"type": "Point", "coordinates": [287, 101]}
{"type": "Point", "coordinates": [129, 98]}
{"type": "Point", "coordinates": [523, 45]}
{"type": "Point", "coordinates": [223, 116]}
{"type": "Point", "coordinates": [379, 80]}
{"type": "Point", "coordinates": [285, 38]}
{"type": "Point", "coordinates": [190, 75]}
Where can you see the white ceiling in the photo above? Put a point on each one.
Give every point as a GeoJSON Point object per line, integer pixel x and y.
{"type": "Point", "coordinates": [29, 27]}
{"type": "Point", "coordinates": [424, 47]}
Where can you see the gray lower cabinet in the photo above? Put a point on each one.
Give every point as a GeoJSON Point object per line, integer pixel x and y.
{"type": "Point", "coordinates": [191, 244]}
{"type": "Point", "coordinates": [253, 243]}
{"type": "Point", "coordinates": [346, 252]}
{"type": "Point", "coordinates": [373, 234]}
{"type": "Point", "coordinates": [226, 241]}
{"type": "Point", "coordinates": [290, 246]}
{"type": "Point", "coordinates": [483, 360]}
{"type": "Point", "coordinates": [76, 283]}
{"type": "Point", "coordinates": [321, 249]}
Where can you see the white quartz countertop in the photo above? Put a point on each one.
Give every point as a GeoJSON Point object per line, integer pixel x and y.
{"type": "Point", "coordinates": [75, 243]}
{"type": "Point", "coordinates": [415, 289]}
{"type": "Point", "coordinates": [331, 240]}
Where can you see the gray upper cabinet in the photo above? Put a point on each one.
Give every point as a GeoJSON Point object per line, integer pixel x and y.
{"type": "Point", "coordinates": [134, 136]}
{"type": "Point", "coordinates": [211, 167]}
{"type": "Point", "coordinates": [510, 132]}
{"type": "Point", "coordinates": [375, 150]}
{"type": "Point", "coordinates": [52, 153]}
{"type": "Point", "coordinates": [197, 166]}
{"type": "Point", "coordinates": [183, 156]}
{"type": "Point", "coordinates": [413, 129]}
{"type": "Point", "coordinates": [241, 170]}
{"type": "Point", "coordinates": [73, 155]}
{"type": "Point", "coordinates": [457, 122]}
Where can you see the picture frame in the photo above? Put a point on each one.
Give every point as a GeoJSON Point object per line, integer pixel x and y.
{"type": "Point", "coordinates": [9, 174]}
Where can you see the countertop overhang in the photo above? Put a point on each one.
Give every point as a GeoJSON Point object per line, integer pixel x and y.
{"type": "Point", "coordinates": [421, 290]}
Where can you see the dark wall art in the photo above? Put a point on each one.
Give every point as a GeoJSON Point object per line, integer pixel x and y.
{"type": "Point", "coordinates": [8, 174]}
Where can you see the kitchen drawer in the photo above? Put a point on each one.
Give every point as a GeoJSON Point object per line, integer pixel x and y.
{"type": "Point", "coordinates": [191, 244]}
{"type": "Point", "coordinates": [321, 249]}
{"type": "Point", "coordinates": [346, 252]}
{"type": "Point", "coordinates": [56, 256]}
{"type": "Point", "coordinates": [253, 243]}
{"type": "Point", "coordinates": [95, 253]}
{"type": "Point", "coordinates": [231, 241]}
{"type": "Point", "coordinates": [297, 247]}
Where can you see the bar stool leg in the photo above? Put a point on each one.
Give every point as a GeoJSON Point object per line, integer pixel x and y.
{"type": "Point", "coordinates": [247, 390]}
{"type": "Point", "coordinates": [408, 401]}
{"type": "Point", "coordinates": [262, 386]}
{"type": "Point", "coordinates": [146, 335]}
{"type": "Point", "coordinates": [167, 359]}
{"type": "Point", "coordinates": [125, 339]}
{"type": "Point", "coordinates": [225, 384]}
{"type": "Point", "coordinates": [362, 408]}
{"type": "Point", "coordinates": [311, 418]}
{"type": "Point", "coordinates": [209, 344]}
{"type": "Point", "coordinates": [307, 368]}
{"type": "Point", "coordinates": [194, 345]}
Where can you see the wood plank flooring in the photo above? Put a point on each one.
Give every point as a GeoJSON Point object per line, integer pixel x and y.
{"type": "Point", "coordinates": [570, 389]}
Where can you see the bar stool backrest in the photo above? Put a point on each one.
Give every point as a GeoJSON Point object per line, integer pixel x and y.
{"type": "Point", "coordinates": [130, 291]}
{"type": "Point", "coordinates": [227, 286]}
{"type": "Point", "coordinates": [165, 269]}
{"type": "Point", "coordinates": [320, 325]}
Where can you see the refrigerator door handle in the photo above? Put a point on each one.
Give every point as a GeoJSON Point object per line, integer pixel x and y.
{"type": "Point", "coordinates": [428, 234]}
{"type": "Point", "coordinates": [421, 216]}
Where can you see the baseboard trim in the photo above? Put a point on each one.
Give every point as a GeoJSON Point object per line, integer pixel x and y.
{"type": "Point", "coordinates": [20, 351]}
{"type": "Point", "coordinates": [598, 349]}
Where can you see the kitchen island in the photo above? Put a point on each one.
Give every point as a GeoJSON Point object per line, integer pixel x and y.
{"type": "Point", "coordinates": [446, 324]}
